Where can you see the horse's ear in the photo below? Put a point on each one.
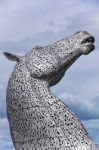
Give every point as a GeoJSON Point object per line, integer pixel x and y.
{"type": "Point", "coordinates": [12, 57]}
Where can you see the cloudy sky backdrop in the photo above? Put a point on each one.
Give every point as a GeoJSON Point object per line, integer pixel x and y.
{"type": "Point", "coordinates": [24, 24]}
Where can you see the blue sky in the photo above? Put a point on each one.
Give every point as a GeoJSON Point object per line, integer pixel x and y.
{"type": "Point", "coordinates": [24, 24]}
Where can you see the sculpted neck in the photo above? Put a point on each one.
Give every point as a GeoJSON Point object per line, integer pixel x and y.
{"type": "Point", "coordinates": [41, 90]}
{"type": "Point", "coordinates": [51, 114]}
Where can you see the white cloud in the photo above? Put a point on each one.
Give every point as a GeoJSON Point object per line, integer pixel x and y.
{"type": "Point", "coordinates": [84, 108]}
{"type": "Point", "coordinates": [18, 18]}
{"type": "Point", "coordinates": [21, 19]}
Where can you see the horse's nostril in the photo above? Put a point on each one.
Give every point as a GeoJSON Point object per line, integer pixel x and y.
{"type": "Point", "coordinates": [93, 39]}
{"type": "Point", "coordinates": [90, 39]}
